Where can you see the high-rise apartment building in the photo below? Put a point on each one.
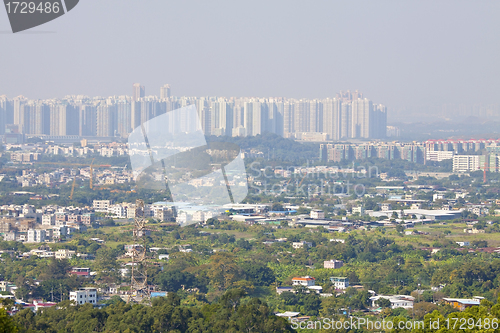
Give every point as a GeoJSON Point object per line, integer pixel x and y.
{"type": "Point", "coordinates": [347, 116]}
{"type": "Point", "coordinates": [123, 118]}
{"type": "Point", "coordinates": [18, 108]}
{"type": "Point", "coordinates": [138, 91]}
{"type": "Point", "coordinates": [88, 120]}
{"type": "Point", "coordinates": [165, 91]}
{"type": "Point", "coordinates": [36, 118]}
{"type": "Point", "coordinates": [221, 117]}
{"type": "Point", "coordinates": [345, 120]}
{"type": "Point", "coordinates": [64, 119]}
{"type": "Point", "coordinates": [331, 118]}
{"type": "Point", "coordinates": [106, 120]}
{"type": "Point", "coordinates": [362, 115]}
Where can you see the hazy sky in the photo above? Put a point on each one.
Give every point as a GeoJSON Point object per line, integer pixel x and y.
{"type": "Point", "coordinates": [398, 53]}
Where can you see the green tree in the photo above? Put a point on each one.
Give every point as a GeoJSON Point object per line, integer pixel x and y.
{"type": "Point", "coordinates": [383, 303]}
{"type": "Point", "coordinates": [6, 323]}
{"type": "Point", "coordinates": [173, 280]}
{"type": "Point", "coordinates": [259, 274]}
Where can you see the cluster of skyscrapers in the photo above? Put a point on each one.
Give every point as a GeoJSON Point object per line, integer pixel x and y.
{"type": "Point", "coordinates": [347, 116]}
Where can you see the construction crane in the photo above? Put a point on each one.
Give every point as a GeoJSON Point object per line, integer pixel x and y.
{"type": "Point", "coordinates": [92, 174]}
{"type": "Point", "coordinates": [486, 166]}
{"type": "Point", "coordinates": [92, 166]}
{"type": "Point", "coordinates": [72, 189]}
{"type": "Point", "coordinates": [302, 180]}
{"type": "Point", "coordinates": [91, 184]}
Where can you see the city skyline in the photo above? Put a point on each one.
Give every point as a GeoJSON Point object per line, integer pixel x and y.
{"type": "Point", "coordinates": [348, 115]}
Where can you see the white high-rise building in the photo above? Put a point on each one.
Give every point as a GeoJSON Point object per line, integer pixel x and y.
{"type": "Point", "coordinates": [165, 91]}
{"type": "Point", "coordinates": [301, 116]}
{"type": "Point", "coordinates": [315, 117]}
{"type": "Point", "coordinates": [253, 118]}
{"type": "Point", "coordinates": [331, 118]}
{"type": "Point", "coordinates": [138, 91]}
{"type": "Point", "coordinates": [221, 117]}
{"type": "Point", "coordinates": [362, 113]}
{"type": "Point", "coordinates": [345, 121]}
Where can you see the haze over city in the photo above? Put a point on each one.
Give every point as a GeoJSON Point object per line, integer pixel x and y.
{"type": "Point", "coordinates": [411, 56]}
{"type": "Point", "coordinates": [249, 166]}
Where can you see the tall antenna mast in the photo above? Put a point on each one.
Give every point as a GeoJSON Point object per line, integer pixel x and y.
{"type": "Point", "coordinates": [139, 290]}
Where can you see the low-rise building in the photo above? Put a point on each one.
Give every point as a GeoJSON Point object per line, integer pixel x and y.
{"type": "Point", "coordinates": [64, 254]}
{"type": "Point", "coordinates": [88, 218]}
{"type": "Point", "coordinates": [83, 296]}
{"type": "Point", "coordinates": [101, 205]}
{"type": "Point", "coordinates": [463, 303]}
{"type": "Point", "coordinates": [6, 286]}
{"type": "Point", "coordinates": [397, 301]}
{"type": "Point", "coordinates": [358, 210]}
{"type": "Point", "coordinates": [48, 219]}
{"type": "Point", "coordinates": [280, 290]}
{"type": "Point", "coordinates": [80, 271]}
{"type": "Point", "coordinates": [333, 264]}
{"type": "Point", "coordinates": [385, 206]}
{"type": "Point", "coordinates": [10, 236]}
{"type": "Point", "coordinates": [473, 231]}
{"type": "Point", "coordinates": [36, 236]}
{"type": "Point", "coordinates": [317, 214]}
{"type": "Point", "coordinates": [59, 231]}
{"type": "Point", "coordinates": [306, 281]}
{"type": "Point", "coordinates": [340, 282]}
{"type": "Point", "coordinates": [300, 245]}
{"type": "Point", "coordinates": [338, 240]}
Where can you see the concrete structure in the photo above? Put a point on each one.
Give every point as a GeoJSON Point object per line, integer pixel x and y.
{"type": "Point", "coordinates": [101, 205]}
{"type": "Point", "coordinates": [466, 163]}
{"type": "Point", "coordinates": [64, 254]}
{"type": "Point", "coordinates": [59, 231]}
{"type": "Point", "coordinates": [7, 286]}
{"type": "Point", "coordinates": [463, 303]}
{"type": "Point", "coordinates": [438, 156]}
{"type": "Point", "coordinates": [48, 219]}
{"type": "Point", "coordinates": [280, 290]}
{"type": "Point", "coordinates": [359, 210]}
{"type": "Point", "coordinates": [333, 264]}
{"type": "Point", "coordinates": [83, 296]}
{"type": "Point", "coordinates": [36, 236]}
{"type": "Point", "coordinates": [340, 282]}
{"type": "Point", "coordinates": [397, 301]}
{"type": "Point", "coordinates": [306, 281]}
{"type": "Point", "coordinates": [317, 214]}
{"type": "Point", "coordinates": [300, 245]}
{"type": "Point", "coordinates": [80, 271]}
{"type": "Point", "coordinates": [431, 214]}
